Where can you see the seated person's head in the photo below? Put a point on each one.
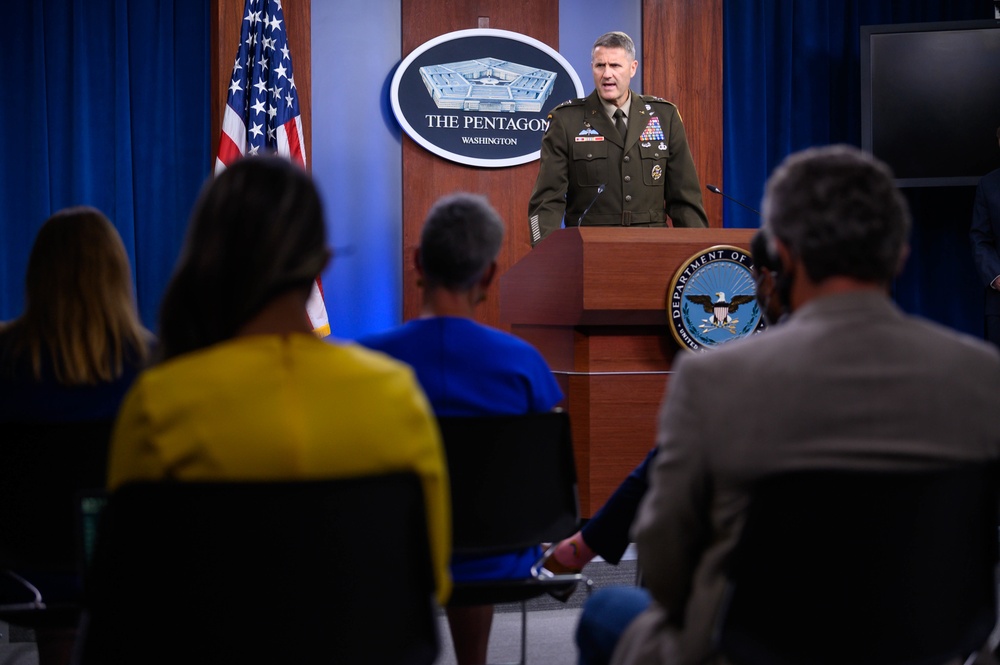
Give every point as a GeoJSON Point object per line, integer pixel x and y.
{"type": "Point", "coordinates": [459, 244]}
{"type": "Point", "coordinates": [256, 234]}
{"type": "Point", "coordinates": [835, 212]}
{"type": "Point", "coordinates": [79, 318]}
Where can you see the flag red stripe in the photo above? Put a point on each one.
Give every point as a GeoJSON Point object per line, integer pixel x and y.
{"type": "Point", "coordinates": [229, 152]}
{"type": "Point", "coordinates": [294, 144]}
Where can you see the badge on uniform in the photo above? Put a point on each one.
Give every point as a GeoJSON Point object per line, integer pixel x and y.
{"type": "Point", "coordinates": [657, 172]}
{"type": "Point", "coordinates": [588, 131]}
{"type": "Point", "coordinates": [580, 139]}
{"type": "Point", "coordinates": [652, 131]}
{"type": "Point", "coordinates": [662, 146]}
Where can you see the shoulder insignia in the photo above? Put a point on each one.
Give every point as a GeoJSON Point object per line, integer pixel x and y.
{"type": "Point", "coordinates": [571, 102]}
{"type": "Point", "coordinates": [654, 98]}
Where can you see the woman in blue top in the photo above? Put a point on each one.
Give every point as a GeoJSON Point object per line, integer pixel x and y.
{"type": "Point", "coordinates": [468, 369]}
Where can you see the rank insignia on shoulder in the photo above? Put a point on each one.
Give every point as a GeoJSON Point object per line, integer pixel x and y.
{"type": "Point", "coordinates": [569, 102]}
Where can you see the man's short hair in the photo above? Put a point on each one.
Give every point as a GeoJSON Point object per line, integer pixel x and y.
{"type": "Point", "coordinates": [838, 210]}
{"type": "Point", "coordinates": [615, 40]}
{"type": "Point", "coordinates": [461, 238]}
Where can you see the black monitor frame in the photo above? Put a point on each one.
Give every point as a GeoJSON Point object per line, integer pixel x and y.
{"type": "Point", "coordinates": [944, 161]}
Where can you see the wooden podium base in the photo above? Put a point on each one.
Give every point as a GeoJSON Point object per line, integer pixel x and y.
{"type": "Point", "coordinates": [593, 301]}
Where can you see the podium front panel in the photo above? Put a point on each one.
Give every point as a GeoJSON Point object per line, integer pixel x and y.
{"type": "Point", "coordinates": [593, 301]}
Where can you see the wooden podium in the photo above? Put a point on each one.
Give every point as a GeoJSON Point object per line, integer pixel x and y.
{"type": "Point", "coordinates": [593, 301]}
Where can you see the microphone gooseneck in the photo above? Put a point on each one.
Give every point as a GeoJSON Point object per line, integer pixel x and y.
{"type": "Point", "coordinates": [716, 190]}
{"type": "Point", "coordinates": [600, 188]}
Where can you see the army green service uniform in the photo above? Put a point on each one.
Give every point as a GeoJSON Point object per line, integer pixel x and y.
{"type": "Point", "coordinates": [647, 176]}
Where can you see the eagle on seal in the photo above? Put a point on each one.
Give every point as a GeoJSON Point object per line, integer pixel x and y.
{"type": "Point", "coordinates": [719, 308]}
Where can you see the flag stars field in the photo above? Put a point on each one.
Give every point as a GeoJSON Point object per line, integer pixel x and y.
{"type": "Point", "coordinates": [263, 36]}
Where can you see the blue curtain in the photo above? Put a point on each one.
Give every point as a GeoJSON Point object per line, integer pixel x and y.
{"type": "Point", "coordinates": [792, 80]}
{"type": "Point", "coordinates": [108, 106]}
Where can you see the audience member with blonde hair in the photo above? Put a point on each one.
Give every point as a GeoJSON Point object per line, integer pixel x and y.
{"type": "Point", "coordinates": [243, 389]}
{"type": "Point", "coordinates": [79, 344]}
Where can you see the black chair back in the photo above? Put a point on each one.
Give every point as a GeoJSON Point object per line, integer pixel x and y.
{"type": "Point", "coordinates": [44, 468]}
{"type": "Point", "coordinates": [513, 481]}
{"type": "Point", "coordinates": [839, 567]}
{"type": "Point", "coordinates": [328, 571]}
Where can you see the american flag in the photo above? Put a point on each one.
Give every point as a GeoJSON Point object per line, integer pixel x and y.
{"type": "Point", "coordinates": [262, 109]}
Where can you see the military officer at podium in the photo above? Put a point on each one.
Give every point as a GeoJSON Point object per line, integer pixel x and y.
{"type": "Point", "coordinates": [615, 158]}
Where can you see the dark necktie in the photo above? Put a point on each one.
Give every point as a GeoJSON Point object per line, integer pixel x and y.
{"type": "Point", "coordinates": [620, 122]}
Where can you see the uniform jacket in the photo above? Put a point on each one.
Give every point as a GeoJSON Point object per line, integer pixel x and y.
{"type": "Point", "coordinates": [646, 176]}
{"type": "Point", "coordinates": [985, 233]}
{"type": "Point", "coordinates": [848, 382]}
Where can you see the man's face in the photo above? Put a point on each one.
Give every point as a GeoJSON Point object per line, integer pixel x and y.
{"type": "Point", "coordinates": [612, 72]}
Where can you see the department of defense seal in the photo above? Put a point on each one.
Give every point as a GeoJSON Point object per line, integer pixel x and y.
{"type": "Point", "coordinates": [712, 299]}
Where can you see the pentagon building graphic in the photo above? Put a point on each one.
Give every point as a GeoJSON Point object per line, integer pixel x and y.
{"type": "Point", "coordinates": [488, 84]}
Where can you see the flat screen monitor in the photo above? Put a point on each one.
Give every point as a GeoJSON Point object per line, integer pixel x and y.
{"type": "Point", "coordinates": [930, 100]}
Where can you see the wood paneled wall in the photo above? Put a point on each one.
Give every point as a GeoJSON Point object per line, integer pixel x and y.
{"type": "Point", "coordinates": [227, 21]}
{"type": "Point", "coordinates": [426, 177]}
{"type": "Point", "coordinates": [682, 62]}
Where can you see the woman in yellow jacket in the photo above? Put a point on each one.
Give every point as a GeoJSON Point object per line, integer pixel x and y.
{"type": "Point", "coordinates": [243, 390]}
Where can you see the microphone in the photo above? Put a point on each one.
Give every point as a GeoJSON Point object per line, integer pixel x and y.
{"type": "Point", "coordinates": [716, 190]}
{"type": "Point", "coordinates": [600, 188]}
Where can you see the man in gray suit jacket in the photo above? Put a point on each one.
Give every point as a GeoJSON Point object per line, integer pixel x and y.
{"type": "Point", "coordinates": [848, 381]}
